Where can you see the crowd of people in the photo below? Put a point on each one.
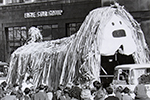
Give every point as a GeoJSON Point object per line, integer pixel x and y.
{"type": "Point", "coordinates": [70, 92]}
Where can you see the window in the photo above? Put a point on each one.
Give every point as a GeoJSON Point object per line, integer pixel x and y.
{"type": "Point", "coordinates": [72, 28]}
{"type": "Point", "coordinates": [27, 1]}
{"type": "Point", "coordinates": [15, 1]}
{"type": "Point", "coordinates": [139, 72]}
{"type": "Point", "coordinates": [16, 37]}
{"type": "Point", "coordinates": [107, 2]}
{"type": "Point", "coordinates": [12, 1]}
{"type": "Point", "coordinates": [49, 32]}
{"type": "Point", "coordinates": [1, 1]}
{"type": "Point", "coordinates": [40, 0]}
{"type": "Point", "coordinates": [6, 1]}
{"type": "Point", "coordinates": [115, 75]}
{"type": "Point", "coordinates": [124, 75]}
{"type": "Point", "coordinates": [148, 70]}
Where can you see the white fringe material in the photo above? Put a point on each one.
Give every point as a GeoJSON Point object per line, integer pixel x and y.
{"type": "Point", "coordinates": [61, 61]}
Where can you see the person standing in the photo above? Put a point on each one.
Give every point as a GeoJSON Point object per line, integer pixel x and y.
{"type": "Point", "coordinates": [26, 96]}
{"type": "Point", "coordinates": [126, 94]}
{"type": "Point", "coordinates": [100, 91]}
{"type": "Point", "coordinates": [49, 92]}
{"type": "Point", "coordinates": [75, 91]}
{"type": "Point", "coordinates": [111, 96]}
{"type": "Point", "coordinates": [86, 94]}
{"type": "Point", "coordinates": [140, 91]}
{"type": "Point", "coordinates": [28, 83]}
{"type": "Point", "coordinates": [2, 89]}
{"type": "Point", "coordinates": [11, 96]}
{"type": "Point", "coordinates": [17, 90]}
{"type": "Point", "coordinates": [41, 95]}
{"type": "Point", "coordinates": [118, 92]}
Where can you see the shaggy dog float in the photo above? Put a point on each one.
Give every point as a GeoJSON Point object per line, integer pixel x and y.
{"type": "Point", "coordinates": [104, 32]}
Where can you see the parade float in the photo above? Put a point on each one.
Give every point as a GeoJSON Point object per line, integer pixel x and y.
{"type": "Point", "coordinates": [105, 31]}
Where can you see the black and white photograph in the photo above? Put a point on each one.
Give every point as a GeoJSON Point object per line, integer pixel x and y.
{"type": "Point", "coordinates": [74, 49]}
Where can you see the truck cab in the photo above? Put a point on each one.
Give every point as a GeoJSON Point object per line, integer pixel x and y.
{"type": "Point", "coordinates": [127, 76]}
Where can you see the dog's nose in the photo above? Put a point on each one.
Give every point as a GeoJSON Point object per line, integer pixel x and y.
{"type": "Point", "coordinates": [119, 33]}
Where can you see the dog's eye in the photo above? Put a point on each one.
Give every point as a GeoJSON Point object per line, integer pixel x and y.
{"type": "Point", "coordinates": [120, 22]}
{"type": "Point", "coordinates": [113, 23]}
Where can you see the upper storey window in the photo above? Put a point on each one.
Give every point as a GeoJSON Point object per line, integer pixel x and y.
{"type": "Point", "coordinates": [28, 1]}
{"type": "Point", "coordinates": [21, 1]}
{"type": "Point", "coordinates": [6, 2]}
{"type": "Point", "coordinates": [15, 1]}
{"type": "Point", "coordinates": [1, 2]}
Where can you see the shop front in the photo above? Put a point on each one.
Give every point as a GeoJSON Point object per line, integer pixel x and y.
{"type": "Point", "coordinates": [54, 19]}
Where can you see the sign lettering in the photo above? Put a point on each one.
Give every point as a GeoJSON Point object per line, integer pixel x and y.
{"type": "Point", "coordinates": [43, 13]}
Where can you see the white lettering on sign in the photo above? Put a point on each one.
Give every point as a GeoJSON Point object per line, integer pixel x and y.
{"type": "Point", "coordinates": [43, 13]}
{"type": "Point", "coordinates": [29, 15]}
{"type": "Point", "coordinates": [57, 12]}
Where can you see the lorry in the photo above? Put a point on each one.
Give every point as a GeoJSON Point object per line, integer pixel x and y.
{"type": "Point", "coordinates": [127, 75]}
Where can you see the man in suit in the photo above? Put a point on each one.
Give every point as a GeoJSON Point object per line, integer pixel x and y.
{"type": "Point", "coordinates": [111, 96]}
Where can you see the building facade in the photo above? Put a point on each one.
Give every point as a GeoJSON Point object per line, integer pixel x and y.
{"type": "Point", "coordinates": [55, 18]}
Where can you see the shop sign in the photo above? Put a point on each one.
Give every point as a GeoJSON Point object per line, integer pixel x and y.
{"type": "Point", "coordinates": [43, 13]}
